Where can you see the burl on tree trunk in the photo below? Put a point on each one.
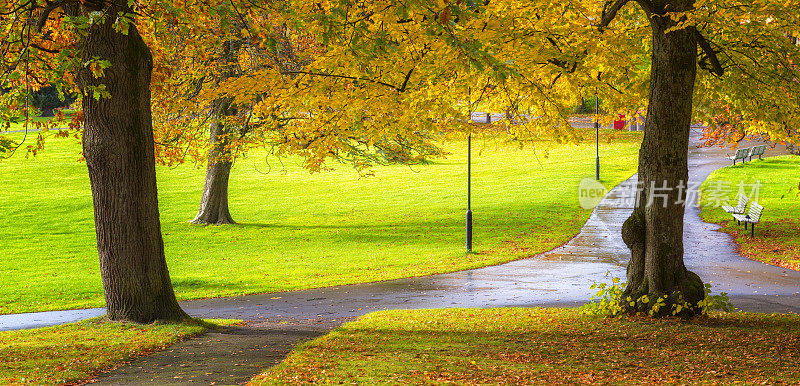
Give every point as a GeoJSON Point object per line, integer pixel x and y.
{"type": "Point", "coordinates": [214, 203]}
{"type": "Point", "coordinates": [654, 232]}
{"type": "Point", "coordinates": [119, 151]}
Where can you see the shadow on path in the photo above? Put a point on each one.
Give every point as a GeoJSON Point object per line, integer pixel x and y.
{"type": "Point", "coordinates": [232, 355]}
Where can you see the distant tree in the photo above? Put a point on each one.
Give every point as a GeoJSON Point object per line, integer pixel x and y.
{"type": "Point", "coordinates": [193, 121]}
{"type": "Point", "coordinates": [231, 86]}
{"type": "Point", "coordinates": [47, 98]}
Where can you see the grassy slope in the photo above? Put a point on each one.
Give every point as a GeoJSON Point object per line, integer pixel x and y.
{"type": "Point", "coordinates": [76, 351]}
{"type": "Point", "coordinates": [546, 346]}
{"type": "Point", "coordinates": [299, 230]}
{"type": "Point", "coordinates": [776, 238]}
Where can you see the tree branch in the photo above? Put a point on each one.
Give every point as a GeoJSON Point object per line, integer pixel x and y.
{"type": "Point", "coordinates": [373, 81]}
{"type": "Point", "coordinates": [38, 47]}
{"type": "Point", "coordinates": [405, 81]}
{"type": "Point", "coordinates": [647, 5]}
{"type": "Point", "coordinates": [50, 6]}
{"type": "Point", "coordinates": [568, 67]}
{"type": "Point", "coordinates": [609, 13]}
{"type": "Point", "coordinates": [710, 54]}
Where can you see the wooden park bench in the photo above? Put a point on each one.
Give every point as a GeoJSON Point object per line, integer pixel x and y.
{"type": "Point", "coordinates": [752, 217]}
{"type": "Point", "coordinates": [739, 208]}
{"type": "Point", "coordinates": [741, 154]}
{"type": "Point", "coordinates": [757, 151]}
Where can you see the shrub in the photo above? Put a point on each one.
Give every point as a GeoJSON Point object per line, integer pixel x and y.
{"type": "Point", "coordinates": [608, 301]}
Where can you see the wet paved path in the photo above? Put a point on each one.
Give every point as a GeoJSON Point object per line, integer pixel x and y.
{"type": "Point", "coordinates": [753, 286]}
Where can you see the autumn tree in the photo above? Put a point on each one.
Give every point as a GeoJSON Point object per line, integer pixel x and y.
{"type": "Point", "coordinates": [183, 111]}
{"type": "Point", "coordinates": [744, 55]}
{"type": "Point", "coordinates": [686, 61]}
{"type": "Point", "coordinates": [244, 86]}
{"type": "Point", "coordinates": [384, 85]}
{"type": "Point", "coordinates": [96, 45]}
{"type": "Point", "coordinates": [196, 61]}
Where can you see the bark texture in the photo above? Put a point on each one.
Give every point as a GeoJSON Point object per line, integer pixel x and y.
{"type": "Point", "coordinates": [214, 203]}
{"type": "Point", "coordinates": [654, 232]}
{"type": "Point", "coordinates": [119, 151]}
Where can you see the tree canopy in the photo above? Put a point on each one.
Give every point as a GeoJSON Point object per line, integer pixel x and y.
{"type": "Point", "coordinates": [360, 70]}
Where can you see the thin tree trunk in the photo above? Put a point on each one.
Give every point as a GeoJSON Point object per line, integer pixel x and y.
{"type": "Point", "coordinates": [119, 151]}
{"type": "Point", "coordinates": [214, 203]}
{"type": "Point", "coordinates": [654, 232]}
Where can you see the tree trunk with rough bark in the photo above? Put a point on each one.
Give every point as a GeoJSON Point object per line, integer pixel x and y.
{"type": "Point", "coordinates": [214, 203]}
{"type": "Point", "coordinates": [119, 151]}
{"type": "Point", "coordinates": [654, 232]}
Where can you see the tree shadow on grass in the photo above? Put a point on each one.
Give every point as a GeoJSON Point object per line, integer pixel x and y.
{"type": "Point", "coordinates": [771, 166]}
{"type": "Point", "coordinates": [188, 284]}
{"type": "Point", "coordinates": [754, 322]}
{"type": "Point", "coordinates": [491, 224]}
{"type": "Point", "coordinates": [576, 347]}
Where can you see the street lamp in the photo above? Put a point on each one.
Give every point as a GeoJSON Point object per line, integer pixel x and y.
{"type": "Point", "coordinates": [469, 191]}
{"type": "Point", "coordinates": [597, 137]}
{"type": "Point", "coordinates": [469, 180]}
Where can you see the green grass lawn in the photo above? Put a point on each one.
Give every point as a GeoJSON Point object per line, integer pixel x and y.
{"type": "Point", "coordinates": [77, 351]}
{"type": "Point", "coordinates": [298, 230]}
{"type": "Point", "coordinates": [13, 143]}
{"type": "Point", "coordinates": [777, 236]}
{"type": "Point", "coordinates": [34, 121]}
{"type": "Point", "coordinates": [546, 346]}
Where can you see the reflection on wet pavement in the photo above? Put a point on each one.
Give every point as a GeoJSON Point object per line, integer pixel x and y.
{"type": "Point", "coordinates": [44, 319]}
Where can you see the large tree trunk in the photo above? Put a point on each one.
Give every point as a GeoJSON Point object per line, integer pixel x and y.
{"type": "Point", "coordinates": [654, 232]}
{"type": "Point", "coordinates": [119, 151]}
{"type": "Point", "coordinates": [214, 203]}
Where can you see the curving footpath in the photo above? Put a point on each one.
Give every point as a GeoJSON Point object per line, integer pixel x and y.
{"type": "Point", "coordinates": [560, 277]}
{"type": "Point", "coordinates": [278, 321]}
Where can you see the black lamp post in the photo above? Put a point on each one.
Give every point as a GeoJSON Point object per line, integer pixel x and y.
{"type": "Point", "coordinates": [469, 192]}
{"type": "Point", "coordinates": [597, 137]}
